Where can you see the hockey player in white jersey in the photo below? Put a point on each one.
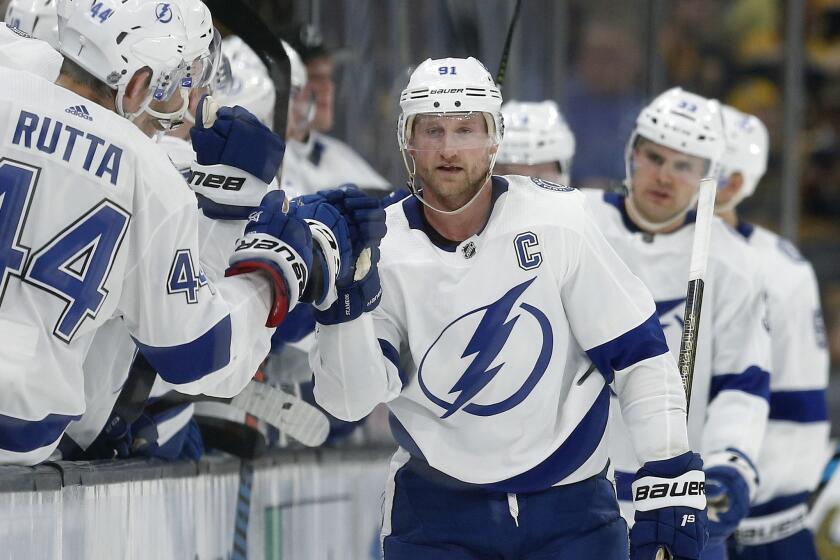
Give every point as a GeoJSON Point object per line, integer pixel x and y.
{"type": "Point", "coordinates": [538, 142]}
{"type": "Point", "coordinates": [678, 140]}
{"type": "Point", "coordinates": [98, 225]}
{"type": "Point", "coordinates": [797, 432]}
{"type": "Point", "coordinates": [477, 322]}
{"type": "Point", "coordinates": [317, 161]}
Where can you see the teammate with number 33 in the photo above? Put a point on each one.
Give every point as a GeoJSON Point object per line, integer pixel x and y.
{"type": "Point", "coordinates": [481, 321]}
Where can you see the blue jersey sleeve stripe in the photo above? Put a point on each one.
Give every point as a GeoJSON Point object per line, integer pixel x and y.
{"type": "Point", "coordinates": [778, 504]}
{"type": "Point", "coordinates": [798, 406]}
{"type": "Point", "coordinates": [640, 343]}
{"type": "Point", "coordinates": [22, 436]}
{"type": "Point", "coordinates": [392, 355]}
{"type": "Point", "coordinates": [624, 485]}
{"type": "Point", "coordinates": [191, 361]}
{"type": "Point", "coordinates": [753, 380]}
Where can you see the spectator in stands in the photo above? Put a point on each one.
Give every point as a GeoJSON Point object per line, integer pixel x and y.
{"type": "Point", "coordinates": [323, 161]}
{"type": "Point", "coordinates": [601, 100]}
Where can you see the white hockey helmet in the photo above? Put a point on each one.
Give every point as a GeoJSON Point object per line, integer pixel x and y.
{"type": "Point", "coordinates": [34, 17]}
{"type": "Point", "coordinates": [747, 147]}
{"type": "Point", "coordinates": [449, 86]}
{"type": "Point", "coordinates": [685, 122]}
{"type": "Point", "coordinates": [536, 132]}
{"type": "Point", "coordinates": [113, 39]}
{"type": "Point", "coordinates": [243, 80]}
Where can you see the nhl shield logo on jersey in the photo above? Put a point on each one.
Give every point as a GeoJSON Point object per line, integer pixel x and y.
{"type": "Point", "coordinates": [488, 360]}
{"type": "Point", "coordinates": [468, 250]}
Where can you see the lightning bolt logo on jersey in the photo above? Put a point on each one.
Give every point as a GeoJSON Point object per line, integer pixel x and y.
{"type": "Point", "coordinates": [486, 355]}
{"type": "Point", "coordinates": [495, 347]}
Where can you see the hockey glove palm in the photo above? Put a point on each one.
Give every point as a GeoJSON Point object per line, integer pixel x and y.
{"type": "Point", "coordinates": [730, 482]}
{"type": "Point", "coordinates": [236, 158]}
{"type": "Point", "coordinates": [670, 509]}
{"type": "Point", "coordinates": [280, 245]}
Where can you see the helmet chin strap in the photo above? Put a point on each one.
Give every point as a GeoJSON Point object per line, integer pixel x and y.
{"type": "Point", "coordinates": [412, 185]}
{"type": "Point", "coordinates": [651, 226]}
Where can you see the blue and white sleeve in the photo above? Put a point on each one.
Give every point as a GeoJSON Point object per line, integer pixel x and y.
{"type": "Point", "coordinates": [798, 428]}
{"type": "Point", "coordinates": [202, 336]}
{"type": "Point", "coordinates": [613, 317]}
{"type": "Point", "coordinates": [736, 416]}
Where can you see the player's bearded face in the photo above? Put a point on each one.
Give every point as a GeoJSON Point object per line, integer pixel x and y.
{"type": "Point", "coordinates": [664, 181]}
{"type": "Point", "coordinates": [452, 154]}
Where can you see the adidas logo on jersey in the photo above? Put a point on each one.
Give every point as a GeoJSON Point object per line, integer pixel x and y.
{"type": "Point", "coordinates": [79, 111]}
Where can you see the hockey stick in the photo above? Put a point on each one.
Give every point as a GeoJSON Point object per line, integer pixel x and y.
{"type": "Point", "coordinates": [500, 75]}
{"type": "Point", "coordinates": [283, 410]}
{"type": "Point", "coordinates": [694, 296]}
{"type": "Point", "coordinates": [239, 18]}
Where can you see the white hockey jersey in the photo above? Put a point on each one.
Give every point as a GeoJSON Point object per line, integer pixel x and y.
{"type": "Point", "coordinates": [97, 224]}
{"type": "Point", "coordinates": [112, 349]}
{"type": "Point", "coordinates": [482, 349]}
{"type": "Point", "coordinates": [324, 162]}
{"type": "Point", "coordinates": [791, 457]}
{"type": "Point", "coordinates": [729, 399]}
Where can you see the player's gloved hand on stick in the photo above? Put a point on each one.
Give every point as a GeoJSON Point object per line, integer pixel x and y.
{"type": "Point", "coordinates": [332, 248]}
{"type": "Point", "coordinates": [670, 508]}
{"type": "Point", "coordinates": [280, 245]}
{"type": "Point", "coordinates": [236, 158]}
{"type": "Point", "coordinates": [358, 287]}
{"type": "Point", "coordinates": [731, 480]}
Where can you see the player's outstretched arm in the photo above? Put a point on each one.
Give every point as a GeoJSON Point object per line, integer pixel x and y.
{"type": "Point", "coordinates": [203, 336]}
{"type": "Point", "coordinates": [613, 317]}
{"type": "Point", "coordinates": [356, 358]}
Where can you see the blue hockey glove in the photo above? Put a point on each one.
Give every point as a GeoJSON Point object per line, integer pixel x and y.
{"type": "Point", "coordinates": [236, 158]}
{"type": "Point", "coordinates": [731, 480]}
{"type": "Point", "coordinates": [238, 139]}
{"type": "Point", "coordinates": [359, 289]}
{"type": "Point", "coordinates": [185, 443]}
{"type": "Point", "coordinates": [364, 214]}
{"type": "Point", "coordinates": [333, 251]}
{"type": "Point", "coordinates": [280, 245]}
{"type": "Point", "coordinates": [670, 509]}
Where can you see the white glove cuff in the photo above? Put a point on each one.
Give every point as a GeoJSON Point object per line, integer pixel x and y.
{"type": "Point", "coordinates": [226, 185]}
{"type": "Point", "coordinates": [324, 237]}
{"type": "Point", "coordinates": [262, 247]}
{"type": "Point", "coordinates": [737, 462]}
{"type": "Point", "coordinates": [653, 492]}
